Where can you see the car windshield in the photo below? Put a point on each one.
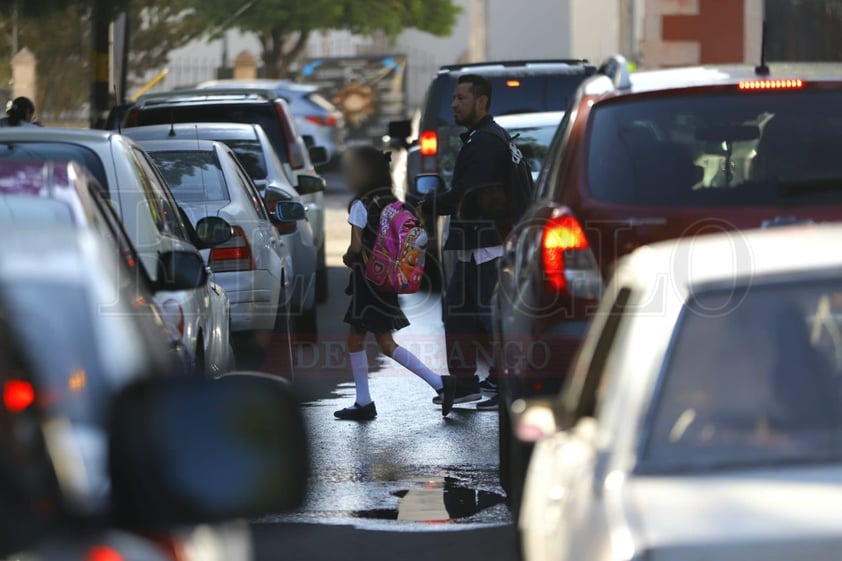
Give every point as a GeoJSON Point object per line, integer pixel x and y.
{"type": "Point", "coordinates": [250, 154]}
{"type": "Point", "coordinates": [522, 94]}
{"type": "Point", "coordinates": [263, 115]}
{"type": "Point", "coordinates": [24, 209]}
{"type": "Point", "coordinates": [715, 150]}
{"type": "Point", "coordinates": [193, 176]}
{"type": "Point", "coordinates": [754, 377]}
{"type": "Point", "coordinates": [534, 142]}
{"type": "Point", "coordinates": [33, 151]}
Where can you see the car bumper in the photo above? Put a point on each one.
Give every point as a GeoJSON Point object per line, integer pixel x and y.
{"type": "Point", "coordinates": [254, 299]}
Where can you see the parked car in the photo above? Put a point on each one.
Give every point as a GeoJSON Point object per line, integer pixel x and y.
{"type": "Point", "coordinates": [93, 417]}
{"type": "Point", "coordinates": [519, 87]}
{"type": "Point", "coordinates": [151, 219]}
{"type": "Point", "coordinates": [262, 107]}
{"type": "Point", "coordinates": [532, 133]}
{"type": "Point", "coordinates": [255, 266]}
{"type": "Point", "coordinates": [314, 114]}
{"type": "Point", "coordinates": [46, 194]}
{"type": "Point", "coordinates": [252, 148]}
{"type": "Point", "coordinates": [710, 379]}
{"type": "Point", "coordinates": [646, 157]}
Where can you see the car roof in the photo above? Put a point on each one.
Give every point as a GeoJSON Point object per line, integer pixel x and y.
{"type": "Point", "coordinates": [218, 131]}
{"type": "Point", "coordinates": [47, 134]}
{"type": "Point", "coordinates": [177, 145]}
{"type": "Point", "coordinates": [536, 119]}
{"type": "Point", "coordinates": [286, 85]}
{"type": "Point", "coordinates": [735, 258]}
{"type": "Point", "coordinates": [519, 67]}
{"type": "Point", "coordinates": [207, 96]}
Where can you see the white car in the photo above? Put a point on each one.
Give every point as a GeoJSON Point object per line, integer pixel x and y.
{"type": "Point", "coordinates": [702, 418]}
{"type": "Point", "coordinates": [255, 266]}
{"type": "Point", "coordinates": [152, 220]}
{"type": "Point", "coordinates": [532, 133]}
{"type": "Point", "coordinates": [252, 147]}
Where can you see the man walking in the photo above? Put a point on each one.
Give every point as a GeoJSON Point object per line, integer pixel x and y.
{"type": "Point", "coordinates": [484, 161]}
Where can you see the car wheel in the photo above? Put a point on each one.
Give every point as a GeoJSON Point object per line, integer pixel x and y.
{"type": "Point", "coordinates": [321, 277]}
{"type": "Point", "coordinates": [514, 461]}
{"type": "Point", "coordinates": [307, 326]}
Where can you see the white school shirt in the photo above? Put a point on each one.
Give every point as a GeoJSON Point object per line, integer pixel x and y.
{"type": "Point", "coordinates": [358, 215]}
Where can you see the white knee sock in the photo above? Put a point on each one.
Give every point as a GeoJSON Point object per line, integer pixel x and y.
{"type": "Point", "coordinates": [359, 366]}
{"type": "Point", "coordinates": [411, 363]}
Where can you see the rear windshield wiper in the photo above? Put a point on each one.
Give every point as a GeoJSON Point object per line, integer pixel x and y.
{"type": "Point", "coordinates": [796, 187]}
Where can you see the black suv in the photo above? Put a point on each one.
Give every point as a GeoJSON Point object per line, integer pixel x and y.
{"type": "Point", "coordinates": [518, 86]}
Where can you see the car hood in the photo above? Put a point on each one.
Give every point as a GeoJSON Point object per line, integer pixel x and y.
{"type": "Point", "coordinates": [783, 514]}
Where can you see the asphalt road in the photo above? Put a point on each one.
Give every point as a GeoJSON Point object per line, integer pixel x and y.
{"type": "Point", "coordinates": [408, 485]}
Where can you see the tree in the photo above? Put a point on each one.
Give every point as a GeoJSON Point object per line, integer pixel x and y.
{"type": "Point", "coordinates": [283, 26]}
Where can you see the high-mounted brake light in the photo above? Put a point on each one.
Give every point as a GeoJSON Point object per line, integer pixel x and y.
{"type": "Point", "coordinates": [753, 85]}
{"type": "Point", "coordinates": [561, 234]}
{"type": "Point", "coordinates": [429, 143]}
{"type": "Point", "coordinates": [512, 83]}
{"type": "Point", "coordinates": [17, 395]}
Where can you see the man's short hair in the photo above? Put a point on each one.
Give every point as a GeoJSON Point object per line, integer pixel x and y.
{"type": "Point", "coordinates": [479, 85]}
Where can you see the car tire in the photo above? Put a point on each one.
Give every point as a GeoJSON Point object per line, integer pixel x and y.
{"type": "Point", "coordinates": [199, 365]}
{"type": "Point", "coordinates": [514, 461]}
{"type": "Point", "coordinates": [307, 326]}
{"type": "Point", "coordinates": [322, 291]}
{"type": "Point", "coordinates": [279, 352]}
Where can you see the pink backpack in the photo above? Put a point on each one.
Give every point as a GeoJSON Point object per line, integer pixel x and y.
{"type": "Point", "coordinates": [396, 262]}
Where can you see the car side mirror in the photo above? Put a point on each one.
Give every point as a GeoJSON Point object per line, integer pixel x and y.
{"type": "Point", "coordinates": [261, 185]}
{"type": "Point", "coordinates": [287, 213]}
{"type": "Point", "coordinates": [187, 451]}
{"type": "Point", "coordinates": [427, 183]}
{"type": "Point", "coordinates": [308, 139]}
{"type": "Point", "coordinates": [318, 155]}
{"type": "Point", "coordinates": [180, 270]}
{"type": "Point", "coordinates": [213, 231]}
{"type": "Point", "coordinates": [310, 184]}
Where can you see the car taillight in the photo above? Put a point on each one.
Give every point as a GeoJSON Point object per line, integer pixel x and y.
{"type": "Point", "coordinates": [429, 143]}
{"type": "Point", "coordinates": [751, 85]}
{"type": "Point", "coordinates": [17, 395]}
{"type": "Point", "coordinates": [329, 121]}
{"type": "Point", "coordinates": [174, 314]}
{"type": "Point", "coordinates": [233, 255]}
{"type": "Point", "coordinates": [294, 150]}
{"type": "Point", "coordinates": [103, 553]}
{"type": "Point", "coordinates": [561, 234]}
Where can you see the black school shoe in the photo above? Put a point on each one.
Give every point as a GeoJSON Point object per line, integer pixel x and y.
{"type": "Point", "coordinates": [467, 390]}
{"type": "Point", "coordinates": [357, 413]}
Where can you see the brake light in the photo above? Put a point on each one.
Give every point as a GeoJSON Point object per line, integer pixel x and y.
{"type": "Point", "coordinates": [752, 85]}
{"type": "Point", "coordinates": [103, 553]}
{"type": "Point", "coordinates": [233, 255]}
{"type": "Point", "coordinates": [329, 121]}
{"type": "Point", "coordinates": [512, 83]}
{"type": "Point", "coordinates": [17, 395]}
{"type": "Point", "coordinates": [561, 234]}
{"type": "Point", "coordinates": [296, 155]}
{"type": "Point", "coordinates": [429, 143]}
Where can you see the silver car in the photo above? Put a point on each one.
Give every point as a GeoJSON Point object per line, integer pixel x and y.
{"type": "Point", "coordinates": [254, 150]}
{"type": "Point", "coordinates": [701, 419]}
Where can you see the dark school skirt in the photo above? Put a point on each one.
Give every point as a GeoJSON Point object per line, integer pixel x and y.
{"type": "Point", "coordinates": [376, 312]}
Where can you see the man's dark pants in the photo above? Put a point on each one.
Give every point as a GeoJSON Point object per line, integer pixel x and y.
{"type": "Point", "coordinates": [467, 323]}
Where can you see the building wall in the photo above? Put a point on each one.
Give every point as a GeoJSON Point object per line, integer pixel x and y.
{"type": "Point", "coordinates": [529, 29]}
{"type": "Point", "coordinates": [689, 32]}
{"type": "Point", "coordinates": [595, 29]}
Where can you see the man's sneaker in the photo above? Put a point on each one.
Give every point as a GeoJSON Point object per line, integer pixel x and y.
{"type": "Point", "coordinates": [490, 404]}
{"type": "Point", "coordinates": [447, 394]}
{"type": "Point", "coordinates": [488, 385]}
{"type": "Point", "coordinates": [467, 390]}
{"type": "Point", "coordinates": [357, 412]}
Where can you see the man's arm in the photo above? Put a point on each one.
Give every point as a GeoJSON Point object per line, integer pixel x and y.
{"type": "Point", "coordinates": [476, 165]}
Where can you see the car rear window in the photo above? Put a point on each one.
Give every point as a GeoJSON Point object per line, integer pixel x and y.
{"type": "Point", "coordinates": [320, 101]}
{"type": "Point", "coordinates": [518, 94]}
{"type": "Point", "coordinates": [754, 377]}
{"type": "Point", "coordinates": [17, 209]}
{"type": "Point", "coordinates": [725, 149]}
{"type": "Point", "coordinates": [257, 114]}
{"type": "Point", "coordinates": [55, 151]}
{"type": "Point", "coordinates": [250, 154]}
{"type": "Point", "coordinates": [193, 176]}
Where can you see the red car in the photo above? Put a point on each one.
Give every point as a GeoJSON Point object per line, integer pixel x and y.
{"type": "Point", "coordinates": [646, 157]}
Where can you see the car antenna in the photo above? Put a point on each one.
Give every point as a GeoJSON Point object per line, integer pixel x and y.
{"type": "Point", "coordinates": [172, 125]}
{"type": "Point", "coordinates": [762, 69]}
{"type": "Point", "coordinates": [119, 121]}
